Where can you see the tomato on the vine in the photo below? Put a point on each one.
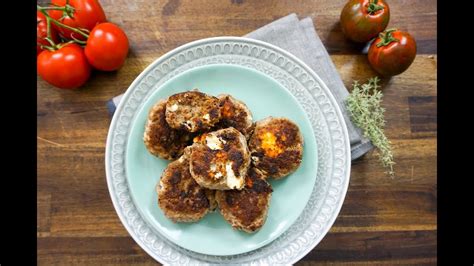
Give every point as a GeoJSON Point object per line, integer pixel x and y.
{"type": "Point", "coordinates": [362, 20]}
{"type": "Point", "coordinates": [65, 68]}
{"type": "Point", "coordinates": [42, 32]}
{"type": "Point", "coordinates": [106, 47]}
{"type": "Point", "coordinates": [392, 52]}
{"type": "Point", "coordinates": [86, 14]}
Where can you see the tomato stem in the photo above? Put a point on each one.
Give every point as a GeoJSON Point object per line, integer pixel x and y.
{"type": "Point", "coordinates": [70, 28]}
{"type": "Point", "coordinates": [387, 38]}
{"type": "Point", "coordinates": [68, 11]}
{"type": "Point", "coordinates": [374, 7]}
{"type": "Point", "coordinates": [49, 48]}
{"type": "Point", "coordinates": [51, 42]}
{"type": "Point", "coordinates": [49, 38]}
{"type": "Point", "coordinates": [78, 41]}
{"type": "Point", "coordinates": [64, 44]}
{"type": "Point", "coordinates": [52, 8]}
{"type": "Point", "coordinates": [43, 10]}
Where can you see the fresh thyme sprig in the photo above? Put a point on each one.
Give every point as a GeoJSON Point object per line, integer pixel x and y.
{"type": "Point", "coordinates": [364, 107]}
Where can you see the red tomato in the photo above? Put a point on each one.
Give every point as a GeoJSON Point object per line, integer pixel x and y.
{"type": "Point", "coordinates": [87, 14]}
{"type": "Point", "coordinates": [362, 20]}
{"type": "Point", "coordinates": [42, 32]}
{"type": "Point", "coordinates": [65, 68]}
{"type": "Point", "coordinates": [107, 47]}
{"type": "Point", "coordinates": [392, 52]}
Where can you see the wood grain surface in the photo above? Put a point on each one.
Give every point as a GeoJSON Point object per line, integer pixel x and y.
{"type": "Point", "coordinates": [383, 221]}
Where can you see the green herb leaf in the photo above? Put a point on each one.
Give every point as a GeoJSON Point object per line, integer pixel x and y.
{"type": "Point", "coordinates": [366, 112]}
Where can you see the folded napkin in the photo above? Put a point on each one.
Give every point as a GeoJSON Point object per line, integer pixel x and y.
{"type": "Point", "coordinates": [300, 39]}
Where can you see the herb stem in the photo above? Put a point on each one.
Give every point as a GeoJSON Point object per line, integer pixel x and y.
{"type": "Point", "coordinates": [363, 105]}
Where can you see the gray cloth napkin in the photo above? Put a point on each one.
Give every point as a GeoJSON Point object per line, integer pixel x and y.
{"type": "Point", "coordinates": [300, 39]}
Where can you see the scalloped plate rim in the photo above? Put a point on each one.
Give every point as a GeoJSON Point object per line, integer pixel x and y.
{"type": "Point", "coordinates": [228, 38]}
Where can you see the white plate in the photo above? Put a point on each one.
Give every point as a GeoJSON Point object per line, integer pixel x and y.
{"type": "Point", "coordinates": [326, 119]}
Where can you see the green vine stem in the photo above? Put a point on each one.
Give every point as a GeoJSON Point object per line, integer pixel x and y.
{"type": "Point", "coordinates": [53, 8]}
{"type": "Point", "coordinates": [68, 10]}
{"type": "Point", "coordinates": [387, 38]}
{"type": "Point", "coordinates": [374, 7]}
{"type": "Point", "coordinates": [48, 31]}
{"type": "Point", "coordinates": [52, 45]}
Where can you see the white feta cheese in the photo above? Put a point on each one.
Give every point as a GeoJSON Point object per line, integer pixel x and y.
{"type": "Point", "coordinates": [173, 108]}
{"type": "Point", "coordinates": [232, 181]}
{"type": "Point", "coordinates": [213, 167]}
{"type": "Point", "coordinates": [216, 173]}
{"type": "Point", "coordinates": [213, 142]}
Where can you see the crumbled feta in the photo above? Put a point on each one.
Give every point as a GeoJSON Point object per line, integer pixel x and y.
{"type": "Point", "coordinates": [173, 108]}
{"type": "Point", "coordinates": [213, 142]}
{"type": "Point", "coordinates": [232, 181]}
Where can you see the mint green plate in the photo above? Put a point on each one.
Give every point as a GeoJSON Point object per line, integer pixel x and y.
{"type": "Point", "coordinates": [213, 235]}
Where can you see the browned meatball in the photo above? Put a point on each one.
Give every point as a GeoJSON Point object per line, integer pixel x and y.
{"type": "Point", "coordinates": [192, 111]}
{"type": "Point", "coordinates": [276, 147]}
{"type": "Point", "coordinates": [160, 139]}
{"type": "Point", "coordinates": [236, 114]}
{"type": "Point", "coordinates": [220, 159]}
{"type": "Point", "coordinates": [179, 196]}
{"type": "Point", "coordinates": [246, 209]}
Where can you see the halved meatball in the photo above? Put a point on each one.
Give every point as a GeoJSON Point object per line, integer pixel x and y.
{"type": "Point", "coordinates": [220, 159]}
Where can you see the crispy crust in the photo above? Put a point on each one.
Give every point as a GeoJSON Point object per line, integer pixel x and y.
{"type": "Point", "coordinates": [160, 139]}
{"type": "Point", "coordinates": [246, 209]}
{"type": "Point", "coordinates": [276, 147]}
{"type": "Point", "coordinates": [192, 111]}
{"type": "Point", "coordinates": [211, 196]}
{"type": "Point", "coordinates": [180, 197]}
{"type": "Point", "coordinates": [236, 114]}
{"type": "Point", "coordinates": [208, 166]}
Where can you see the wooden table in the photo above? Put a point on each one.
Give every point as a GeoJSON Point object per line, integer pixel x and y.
{"type": "Point", "coordinates": [382, 221]}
